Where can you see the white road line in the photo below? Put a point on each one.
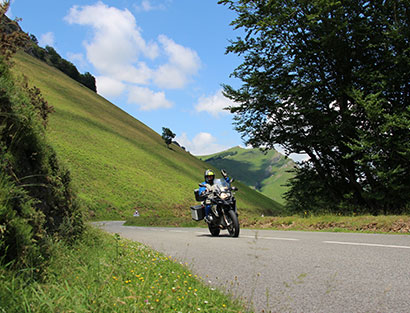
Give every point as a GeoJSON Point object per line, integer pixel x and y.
{"type": "Point", "coordinates": [366, 244]}
{"type": "Point", "coordinates": [272, 238]}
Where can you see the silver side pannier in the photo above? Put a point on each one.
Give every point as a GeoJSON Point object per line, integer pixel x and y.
{"type": "Point", "coordinates": [198, 212]}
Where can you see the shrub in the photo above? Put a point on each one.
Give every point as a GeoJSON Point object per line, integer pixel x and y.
{"type": "Point", "coordinates": [36, 199]}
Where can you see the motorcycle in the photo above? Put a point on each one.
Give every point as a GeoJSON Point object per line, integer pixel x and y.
{"type": "Point", "coordinates": [223, 211]}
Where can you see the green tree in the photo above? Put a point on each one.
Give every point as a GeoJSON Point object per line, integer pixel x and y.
{"type": "Point", "coordinates": [167, 135]}
{"type": "Point", "coordinates": [34, 39]}
{"type": "Point", "coordinates": [69, 69]}
{"type": "Point", "coordinates": [88, 80]}
{"type": "Point", "coordinates": [53, 56]}
{"type": "Point", "coordinates": [330, 79]}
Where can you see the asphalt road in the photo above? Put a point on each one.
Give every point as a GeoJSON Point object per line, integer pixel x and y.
{"type": "Point", "coordinates": [286, 271]}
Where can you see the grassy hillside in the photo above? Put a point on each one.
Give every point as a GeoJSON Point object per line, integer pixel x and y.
{"type": "Point", "coordinates": [117, 163]}
{"type": "Point", "coordinates": [266, 173]}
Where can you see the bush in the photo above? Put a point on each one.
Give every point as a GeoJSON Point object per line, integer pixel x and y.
{"type": "Point", "coordinates": [36, 199]}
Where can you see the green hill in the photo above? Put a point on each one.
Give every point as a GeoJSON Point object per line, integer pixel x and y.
{"type": "Point", "coordinates": [266, 173]}
{"type": "Point", "coordinates": [117, 163]}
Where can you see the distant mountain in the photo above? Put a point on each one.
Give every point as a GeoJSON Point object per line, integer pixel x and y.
{"type": "Point", "coordinates": [266, 173]}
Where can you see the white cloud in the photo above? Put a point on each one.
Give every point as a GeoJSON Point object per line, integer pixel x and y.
{"type": "Point", "coordinates": [109, 87]}
{"type": "Point", "coordinates": [297, 157]}
{"type": "Point", "coordinates": [147, 5]}
{"type": "Point", "coordinates": [118, 51]}
{"type": "Point", "coordinates": [117, 43]}
{"type": "Point", "coordinates": [202, 144]}
{"type": "Point", "coordinates": [183, 63]}
{"type": "Point", "coordinates": [46, 39]}
{"type": "Point", "coordinates": [214, 104]}
{"type": "Point", "coordinates": [77, 58]}
{"type": "Point", "coordinates": [146, 99]}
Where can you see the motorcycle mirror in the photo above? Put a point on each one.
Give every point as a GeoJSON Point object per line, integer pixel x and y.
{"type": "Point", "coordinates": [232, 180]}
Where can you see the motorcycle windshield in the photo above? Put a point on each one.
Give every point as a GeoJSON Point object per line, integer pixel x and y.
{"type": "Point", "coordinates": [222, 184]}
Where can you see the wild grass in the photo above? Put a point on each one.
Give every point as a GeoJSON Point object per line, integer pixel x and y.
{"type": "Point", "coordinates": [105, 273]}
{"type": "Point", "coordinates": [335, 223]}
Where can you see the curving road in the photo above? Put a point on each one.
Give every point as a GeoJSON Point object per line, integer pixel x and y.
{"type": "Point", "coordinates": [285, 271]}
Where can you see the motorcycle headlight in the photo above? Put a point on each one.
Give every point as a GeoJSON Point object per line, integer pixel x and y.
{"type": "Point", "coordinates": [224, 195]}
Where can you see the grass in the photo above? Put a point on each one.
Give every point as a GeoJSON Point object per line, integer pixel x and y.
{"type": "Point", "coordinates": [117, 163]}
{"type": "Point", "coordinates": [394, 224]}
{"type": "Point", "coordinates": [105, 273]}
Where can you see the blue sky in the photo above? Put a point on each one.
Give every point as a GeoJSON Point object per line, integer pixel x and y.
{"type": "Point", "coordinates": [161, 61]}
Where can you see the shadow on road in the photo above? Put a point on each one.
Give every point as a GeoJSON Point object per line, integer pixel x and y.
{"type": "Point", "coordinates": [216, 237]}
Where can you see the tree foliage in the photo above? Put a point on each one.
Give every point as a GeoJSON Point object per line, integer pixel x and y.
{"type": "Point", "coordinates": [88, 80]}
{"type": "Point", "coordinates": [167, 135]}
{"type": "Point", "coordinates": [330, 79]}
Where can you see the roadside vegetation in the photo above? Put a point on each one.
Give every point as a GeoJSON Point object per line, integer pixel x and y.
{"type": "Point", "coordinates": [390, 224]}
{"type": "Point", "coordinates": [36, 198]}
{"type": "Point", "coordinates": [105, 273]}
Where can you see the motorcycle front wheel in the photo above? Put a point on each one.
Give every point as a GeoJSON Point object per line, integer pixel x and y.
{"type": "Point", "coordinates": [213, 230]}
{"type": "Point", "coordinates": [233, 227]}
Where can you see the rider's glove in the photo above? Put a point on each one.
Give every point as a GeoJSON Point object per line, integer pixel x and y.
{"type": "Point", "coordinates": [224, 173]}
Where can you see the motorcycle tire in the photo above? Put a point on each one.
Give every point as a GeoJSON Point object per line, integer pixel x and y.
{"type": "Point", "coordinates": [233, 228]}
{"type": "Point", "coordinates": [214, 230]}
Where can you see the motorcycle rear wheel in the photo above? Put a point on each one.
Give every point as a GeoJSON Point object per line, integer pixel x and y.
{"type": "Point", "coordinates": [233, 227]}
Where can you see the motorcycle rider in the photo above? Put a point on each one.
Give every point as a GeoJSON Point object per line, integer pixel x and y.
{"type": "Point", "coordinates": [209, 179]}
